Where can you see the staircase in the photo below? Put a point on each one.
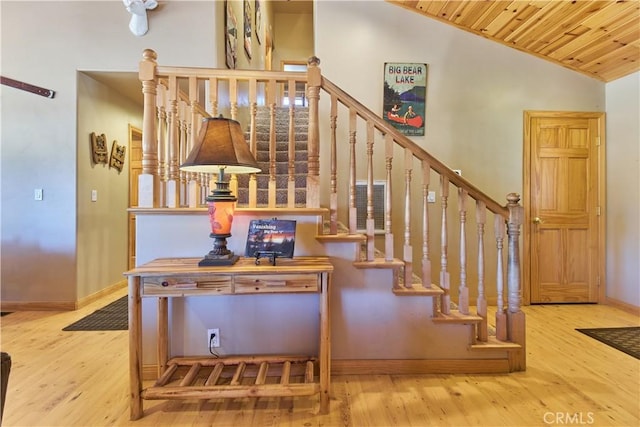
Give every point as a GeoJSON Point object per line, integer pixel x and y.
{"type": "Point", "coordinates": [280, 161]}
{"type": "Point", "coordinates": [394, 313]}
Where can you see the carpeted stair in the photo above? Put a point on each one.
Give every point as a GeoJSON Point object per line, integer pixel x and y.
{"type": "Point", "coordinates": [263, 120]}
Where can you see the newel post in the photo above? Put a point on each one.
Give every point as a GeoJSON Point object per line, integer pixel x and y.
{"type": "Point", "coordinates": [515, 316]}
{"type": "Point", "coordinates": [314, 80]}
{"type": "Point", "coordinates": [148, 180]}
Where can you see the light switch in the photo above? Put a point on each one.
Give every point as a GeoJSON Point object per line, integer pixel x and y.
{"type": "Point", "coordinates": [94, 195]}
{"type": "Point", "coordinates": [37, 194]}
{"type": "Point", "coordinates": [431, 197]}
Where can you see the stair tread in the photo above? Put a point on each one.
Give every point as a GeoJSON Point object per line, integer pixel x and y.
{"type": "Point", "coordinates": [341, 237]}
{"type": "Point", "coordinates": [493, 343]}
{"type": "Point", "coordinates": [418, 289]}
{"type": "Point", "coordinates": [455, 316]}
{"type": "Point", "coordinates": [379, 262]}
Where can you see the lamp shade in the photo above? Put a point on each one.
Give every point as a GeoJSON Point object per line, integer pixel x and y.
{"type": "Point", "coordinates": [220, 145]}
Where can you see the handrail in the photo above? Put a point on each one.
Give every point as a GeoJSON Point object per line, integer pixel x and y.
{"type": "Point", "coordinates": [171, 130]}
{"type": "Point", "coordinates": [435, 164]}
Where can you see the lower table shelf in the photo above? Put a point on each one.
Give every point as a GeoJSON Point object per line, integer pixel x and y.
{"type": "Point", "coordinates": [236, 377]}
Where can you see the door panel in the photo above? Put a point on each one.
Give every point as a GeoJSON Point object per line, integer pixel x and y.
{"type": "Point", "coordinates": [563, 233]}
{"type": "Point", "coordinates": [135, 168]}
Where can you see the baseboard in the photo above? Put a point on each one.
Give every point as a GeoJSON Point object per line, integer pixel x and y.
{"type": "Point", "coordinates": [397, 367]}
{"type": "Point", "coordinates": [419, 366]}
{"type": "Point", "coordinates": [60, 305]}
{"type": "Point", "coordinates": [10, 306]}
{"type": "Point", "coordinates": [629, 308]}
{"type": "Point", "coordinates": [101, 293]}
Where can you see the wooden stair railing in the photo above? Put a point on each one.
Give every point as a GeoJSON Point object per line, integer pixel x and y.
{"type": "Point", "coordinates": [171, 121]}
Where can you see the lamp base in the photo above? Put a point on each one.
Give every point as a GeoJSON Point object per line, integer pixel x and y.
{"type": "Point", "coordinates": [214, 260]}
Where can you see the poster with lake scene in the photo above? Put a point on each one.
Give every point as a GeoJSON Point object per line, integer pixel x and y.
{"type": "Point", "coordinates": [405, 92]}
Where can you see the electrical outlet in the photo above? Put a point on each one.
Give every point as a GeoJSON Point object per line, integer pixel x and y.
{"type": "Point", "coordinates": [431, 197]}
{"type": "Point", "coordinates": [213, 338]}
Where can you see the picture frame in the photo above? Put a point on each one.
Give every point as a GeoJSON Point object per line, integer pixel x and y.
{"type": "Point", "coordinates": [231, 37]}
{"type": "Point", "coordinates": [247, 28]}
{"type": "Point", "coordinates": [99, 153]}
{"type": "Point", "coordinates": [404, 96]}
{"type": "Point", "coordinates": [258, 22]}
{"type": "Point", "coordinates": [116, 160]}
{"type": "Point", "coordinates": [273, 238]}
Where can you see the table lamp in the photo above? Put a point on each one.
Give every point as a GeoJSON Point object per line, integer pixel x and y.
{"type": "Point", "coordinates": [219, 148]}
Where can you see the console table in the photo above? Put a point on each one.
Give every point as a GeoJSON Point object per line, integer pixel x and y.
{"type": "Point", "coordinates": [204, 377]}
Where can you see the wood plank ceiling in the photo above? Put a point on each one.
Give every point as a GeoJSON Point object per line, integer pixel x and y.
{"type": "Point", "coordinates": [598, 38]}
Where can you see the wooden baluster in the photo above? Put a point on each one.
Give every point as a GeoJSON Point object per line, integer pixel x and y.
{"type": "Point", "coordinates": [314, 80]}
{"type": "Point", "coordinates": [515, 316]}
{"type": "Point", "coordinates": [233, 98]}
{"type": "Point", "coordinates": [272, 145]}
{"type": "Point", "coordinates": [353, 216]}
{"type": "Point", "coordinates": [501, 318]}
{"type": "Point", "coordinates": [388, 203]}
{"type": "Point", "coordinates": [183, 131]}
{"type": "Point", "coordinates": [426, 261]}
{"type": "Point", "coordinates": [481, 304]}
{"type": "Point", "coordinates": [148, 180]}
{"type": "Point", "coordinates": [162, 143]}
{"type": "Point", "coordinates": [463, 290]}
{"type": "Point", "coordinates": [173, 195]}
{"type": "Point", "coordinates": [213, 96]}
{"type": "Point", "coordinates": [193, 191]}
{"type": "Point", "coordinates": [407, 256]}
{"type": "Point", "coordinates": [253, 140]}
{"type": "Point", "coordinates": [370, 224]}
{"type": "Point", "coordinates": [444, 274]}
{"type": "Point", "coordinates": [213, 111]}
{"type": "Point", "coordinates": [291, 166]}
{"type": "Point", "coordinates": [333, 196]}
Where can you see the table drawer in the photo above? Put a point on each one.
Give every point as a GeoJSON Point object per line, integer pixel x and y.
{"type": "Point", "coordinates": [218, 284]}
{"type": "Point", "coordinates": [274, 283]}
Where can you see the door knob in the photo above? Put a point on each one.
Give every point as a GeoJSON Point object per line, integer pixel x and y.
{"type": "Point", "coordinates": [537, 220]}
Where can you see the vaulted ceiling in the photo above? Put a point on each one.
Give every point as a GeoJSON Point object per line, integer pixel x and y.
{"type": "Point", "coordinates": [598, 38]}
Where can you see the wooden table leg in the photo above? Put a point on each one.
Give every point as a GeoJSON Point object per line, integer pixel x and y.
{"type": "Point", "coordinates": [163, 334]}
{"type": "Point", "coordinates": [135, 347]}
{"type": "Point", "coordinates": [325, 344]}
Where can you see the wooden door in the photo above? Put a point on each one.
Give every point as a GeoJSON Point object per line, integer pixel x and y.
{"type": "Point", "coordinates": [564, 202]}
{"type": "Point", "coordinates": [135, 168]}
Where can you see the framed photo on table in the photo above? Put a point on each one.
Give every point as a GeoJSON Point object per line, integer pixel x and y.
{"type": "Point", "coordinates": [271, 238]}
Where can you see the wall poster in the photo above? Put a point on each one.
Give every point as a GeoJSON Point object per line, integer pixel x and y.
{"type": "Point", "coordinates": [247, 28]}
{"type": "Point", "coordinates": [405, 92]}
{"type": "Point", "coordinates": [231, 37]}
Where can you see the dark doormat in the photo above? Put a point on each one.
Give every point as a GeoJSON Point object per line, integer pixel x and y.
{"type": "Point", "coordinates": [112, 317]}
{"type": "Point", "coordinates": [623, 339]}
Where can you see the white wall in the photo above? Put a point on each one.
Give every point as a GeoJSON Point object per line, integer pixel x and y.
{"type": "Point", "coordinates": [102, 225]}
{"type": "Point", "coordinates": [293, 38]}
{"type": "Point", "coordinates": [46, 43]}
{"type": "Point", "coordinates": [477, 90]}
{"type": "Point", "coordinates": [623, 189]}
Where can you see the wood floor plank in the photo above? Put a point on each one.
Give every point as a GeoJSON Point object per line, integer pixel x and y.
{"type": "Point", "coordinates": [81, 379]}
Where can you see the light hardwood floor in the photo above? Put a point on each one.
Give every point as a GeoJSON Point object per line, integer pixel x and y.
{"type": "Point", "coordinates": [81, 379]}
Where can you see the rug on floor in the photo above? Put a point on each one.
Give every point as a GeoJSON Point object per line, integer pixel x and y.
{"type": "Point", "coordinates": [112, 317]}
{"type": "Point", "coordinates": [624, 339]}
